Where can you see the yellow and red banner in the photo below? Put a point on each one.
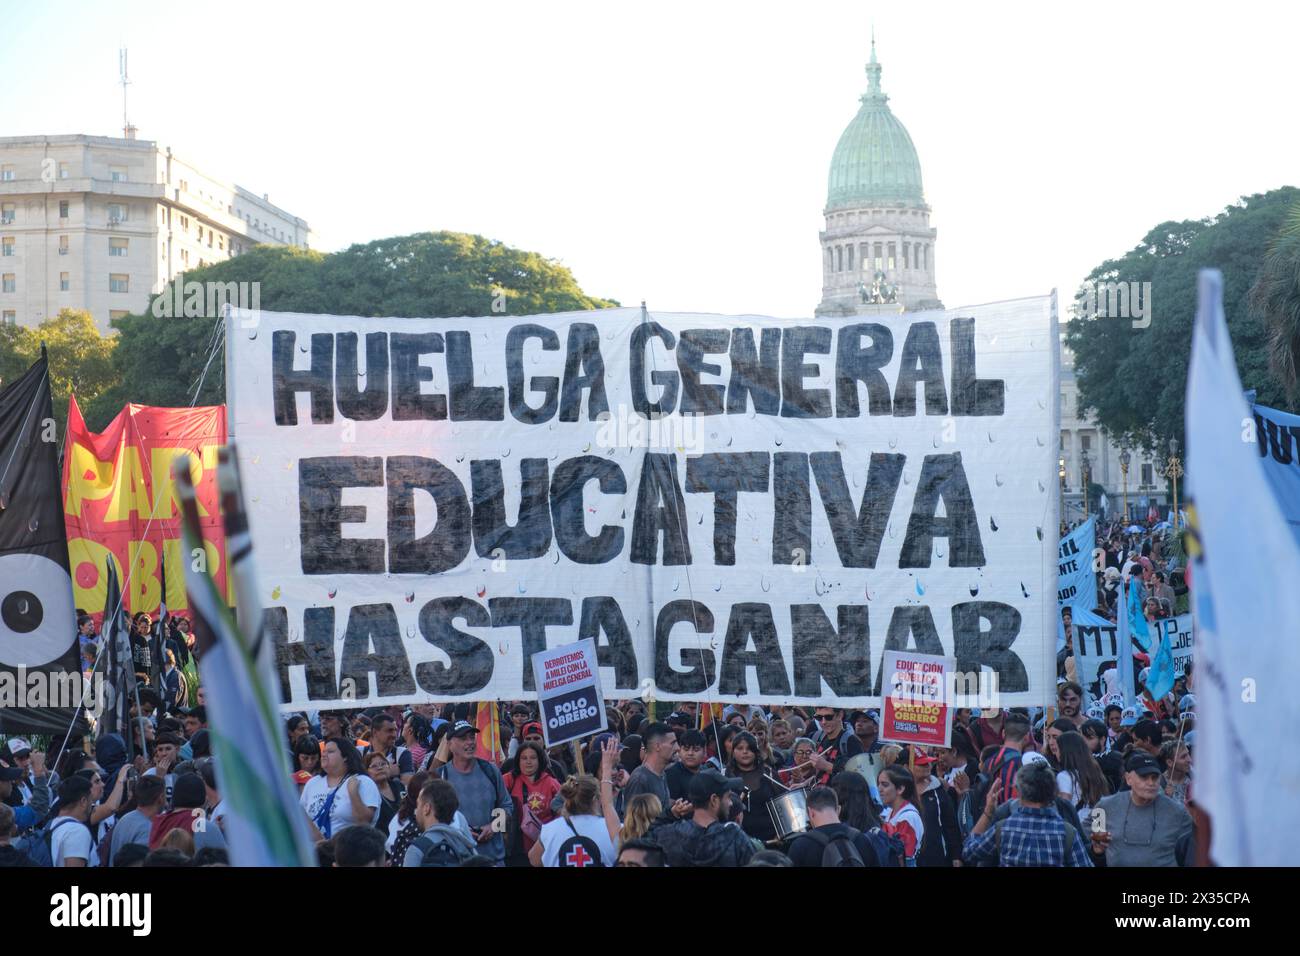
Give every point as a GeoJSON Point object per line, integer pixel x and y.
{"type": "Point", "coordinates": [489, 735]}
{"type": "Point", "coordinates": [119, 499]}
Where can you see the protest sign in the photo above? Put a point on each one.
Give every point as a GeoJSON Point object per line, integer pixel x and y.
{"type": "Point", "coordinates": [119, 499]}
{"type": "Point", "coordinates": [1075, 567]}
{"type": "Point", "coordinates": [569, 700]}
{"type": "Point", "coordinates": [732, 508]}
{"type": "Point", "coordinates": [1178, 632]}
{"type": "Point", "coordinates": [916, 709]}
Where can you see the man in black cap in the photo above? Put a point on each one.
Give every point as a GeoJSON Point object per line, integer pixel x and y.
{"type": "Point", "coordinates": [484, 800]}
{"type": "Point", "coordinates": [709, 837]}
{"type": "Point", "coordinates": [1141, 826]}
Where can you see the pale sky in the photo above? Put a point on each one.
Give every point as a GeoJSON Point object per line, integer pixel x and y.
{"type": "Point", "coordinates": [679, 154]}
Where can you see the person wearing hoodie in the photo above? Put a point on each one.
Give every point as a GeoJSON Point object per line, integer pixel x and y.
{"type": "Point", "coordinates": [435, 813]}
{"type": "Point", "coordinates": [188, 796]}
{"type": "Point", "coordinates": [942, 843]}
{"type": "Point", "coordinates": [710, 836]}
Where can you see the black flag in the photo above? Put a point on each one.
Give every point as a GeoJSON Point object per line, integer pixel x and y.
{"type": "Point", "coordinates": [40, 672]}
{"type": "Point", "coordinates": [121, 669]}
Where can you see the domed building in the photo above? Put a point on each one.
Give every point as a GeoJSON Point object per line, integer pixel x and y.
{"type": "Point", "coordinates": [878, 244]}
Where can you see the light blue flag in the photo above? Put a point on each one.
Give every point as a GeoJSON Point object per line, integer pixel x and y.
{"type": "Point", "coordinates": [1245, 569]}
{"type": "Point", "coordinates": [1277, 435]}
{"type": "Point", "coordinates": [1137, 621]}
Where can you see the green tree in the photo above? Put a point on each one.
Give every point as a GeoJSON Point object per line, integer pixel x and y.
{"type": "Point", "coordinates": [80, 358]}
{"type": "Point", "coordinates": [1134, 380]}
{"type": "Point", "coordinates": [1275, 298]}
{"type": "Point", "coordinates": [162, 361]}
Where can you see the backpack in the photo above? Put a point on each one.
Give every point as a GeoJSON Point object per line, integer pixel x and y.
{"type": "Point", "coordinates": [38, 845]}
{"type": "Point", "coordinates": [504, 800]}
{"type": "Point", "coordinates": [577, 851]}
{"type": "Point", "coordinates": [838, 850]}
{"type": "Point", "coordinates": [888, 847]}
{"type": "Point", "coordinates": [439, 850]}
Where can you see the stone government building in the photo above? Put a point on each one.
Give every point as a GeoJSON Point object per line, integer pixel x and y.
{"type": "Point", "coordinates": [878, 259]}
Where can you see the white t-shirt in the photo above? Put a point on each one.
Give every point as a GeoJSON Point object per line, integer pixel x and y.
{"type": "Point", "coordinates": [1066, 782]}
{"type": "Point", "coordinates": [557, 831]}
{"type": "Point", "coordinates": [396, 826]}
{"type": "Point", "coordinates": [71, 839]}
{"type": "Point", "coordinates": [317, 791]}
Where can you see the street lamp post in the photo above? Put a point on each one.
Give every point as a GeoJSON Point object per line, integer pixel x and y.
{"type": "Point", "coordinates": [1061, 474]}
{"type": "Point", "coordinates": [1174, 471]}
{"type": "Point", "coordinates": [1124, 459]}
{"type": "Point", "coordinates": [1085, 472]}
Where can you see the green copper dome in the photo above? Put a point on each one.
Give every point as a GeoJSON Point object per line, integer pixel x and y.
{"type": "Point", "coordinates": [874, 161]}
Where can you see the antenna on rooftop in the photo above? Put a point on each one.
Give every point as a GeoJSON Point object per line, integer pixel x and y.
{"type": "Point", "coordinates": [127, 129]}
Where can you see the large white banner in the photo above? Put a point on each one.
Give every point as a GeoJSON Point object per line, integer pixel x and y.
{"type": "Point", "coordinates": [732, 507]}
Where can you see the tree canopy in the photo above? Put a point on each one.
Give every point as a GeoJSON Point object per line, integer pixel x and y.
{"type": "Point", "coordinates": [161, 361]}
{"type": "Point", "coordinates": [1134, 380]}
{"type": "Point", "coordinates": [80, 358]}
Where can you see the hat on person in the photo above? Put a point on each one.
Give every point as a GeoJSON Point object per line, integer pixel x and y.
{"type": "Point", "coordinates": [1142, 764]}
{"type": "Point", "coordinates": [1032, 756]}
{"type": "Point", "coordinates": [19, 747]}
{"type": "Point", "coordinates": [1128, 717]}
{"type": "Point", "coordinates": [1187, 702]}
{"type": "Point", "coordinates": [462, 727]}
{"type": "Point", "coordinates": [1096, 711]}
{"type": "Point", "coordinates": [532, 727]}
{"type": "Point", "coordinates": [922, 756]}
{"type": "Point", "coordinates": [1112, 574]}
{"type": "Point", "coordinates": [709, 783]}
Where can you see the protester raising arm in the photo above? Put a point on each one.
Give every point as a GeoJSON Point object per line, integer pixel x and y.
{"type": "Point", "coordinates": [109, 805]}
{"type": "Point", "coordinates": [609, 754]}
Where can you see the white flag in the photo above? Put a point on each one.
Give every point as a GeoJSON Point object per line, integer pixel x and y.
{"type": "Point", "coordinates": [1246, 654]}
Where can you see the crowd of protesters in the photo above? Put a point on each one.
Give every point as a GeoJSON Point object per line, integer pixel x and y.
{"type": "Point", "coordinates": [681, 785]}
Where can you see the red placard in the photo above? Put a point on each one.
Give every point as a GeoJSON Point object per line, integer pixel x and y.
{"type": "Point", "coordinates": [917, 689]}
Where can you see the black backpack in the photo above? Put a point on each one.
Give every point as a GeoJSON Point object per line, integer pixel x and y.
{"type": "Point", "coordinates": [839, 850]}
{"type": "Point", "coordinates": [440, 851]}
{"type": "Point", "coordinates": [578, 851]}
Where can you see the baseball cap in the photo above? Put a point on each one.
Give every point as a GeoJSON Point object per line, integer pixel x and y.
{"type": "Point", "coordinates": [1032, 756]}
{"type": "Point", "coordinates": [708, 783]}
{"type": "Point", "coordinates": [10, 773]}
{"type": "Point", "coordinates": [922, 756]}
{"type": "Point", "coordinates": [1188, 702]}
{"type": "Point", "coordinates": [1141, 763]}
{"type": "Point", "coordinates": [462, 727]}
{"type": "Point", "coordinates": [532, 727]}
{"type": "Point", "coordinates": [19, 747]}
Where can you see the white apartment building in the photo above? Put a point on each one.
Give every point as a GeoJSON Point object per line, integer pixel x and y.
{"type": "Point", "coordinates": [1080, 437]}
{"type": "Point", "coordinates": [101, 223]}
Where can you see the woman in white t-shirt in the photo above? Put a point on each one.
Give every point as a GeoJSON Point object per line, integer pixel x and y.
{"type": "Point", "coordinates": [344, 796]}
{"type": "Point", "coordinates": [578, 837]}
{"type": "Point", "coordinates": [1080, 780]}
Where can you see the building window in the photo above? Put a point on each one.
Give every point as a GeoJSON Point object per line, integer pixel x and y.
{"type": "Point", "coordinates": [65, 282]}
{"type": "Point", "coordinates": [200, 231]}
{"type": "Point", "coordinates": [1085, 442]}
{"type": "Point", "coordinates": [185, 186]}
{"type": "Point", "coordinates": [907, 255]}
{"type": "Point", "coordinates": [118, 282]}
{"type": "Point", "coordinates": [7, 246]}
{"type": "Point", "coordinates": [116, 212]}
{"type": "Point", "coordinates": [117, 247]}
{"type": "Point", "coordinates": [64, 172]}
{"type": "Point", "coordinates": [1147, 476]}
{"type": "Point", "coordinates": [8, 212]}
{"type": "Point", "coordinates": [850, 258]}
{"type": "Point", "coordinates": [6, 174]}
{"type": "Point", "coordinates": [64, 208]}
{"type": "Point", "coordinates": [185, 257]}
{"type": "Point", "coordinates": [8, 283]}
{"type": "Point", "coordinates": [117, 174]}
{"type": "Point", "coordinates": [9, 317]}
{"type": "Point", "coordinates": [185, 223]}
{"type": "Point", "coordinates": [63, 245]}
{"type": "Point", "coordinates": [221, 243]}
{"type": "Point", "coordinates": [209, 238]}
{"type": "Point", "coordinates": [893, 255]}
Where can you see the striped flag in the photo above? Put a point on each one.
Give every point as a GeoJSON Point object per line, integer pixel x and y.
{"type": "Point", "coordinates": [489, 732]}
{"type": "Point", "coordinates": [264, 825]}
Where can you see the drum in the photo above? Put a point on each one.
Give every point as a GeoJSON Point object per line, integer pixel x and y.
{"type": "Point", "coordinates": [869, 765]}
{"type": "Point", "coordinates": [789, 813]}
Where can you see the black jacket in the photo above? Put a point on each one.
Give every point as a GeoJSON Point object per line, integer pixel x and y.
{"type": "Point", "coordinates": [942, 841]}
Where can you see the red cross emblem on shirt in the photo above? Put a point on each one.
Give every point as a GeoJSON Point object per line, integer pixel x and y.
{"type": "Point", "coordinates": [579, 856]}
